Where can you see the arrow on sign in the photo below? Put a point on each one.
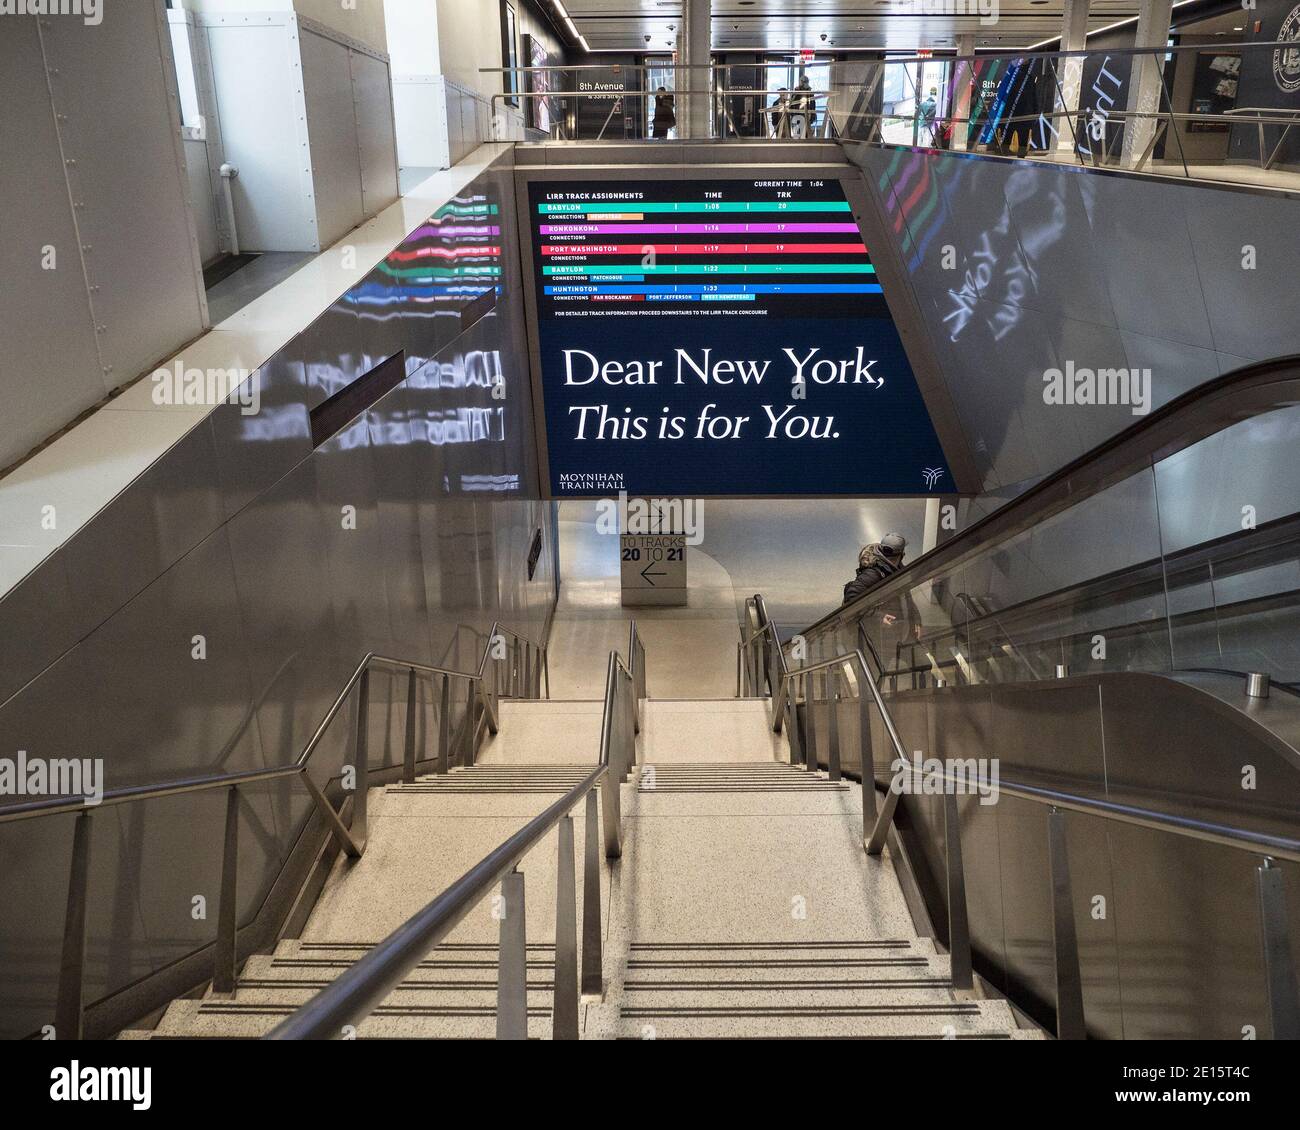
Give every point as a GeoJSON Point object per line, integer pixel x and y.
{"type": "Point", "coordinates": [647, 574]}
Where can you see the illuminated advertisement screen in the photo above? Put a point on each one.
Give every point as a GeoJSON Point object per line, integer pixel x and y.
{"type": "Point", "coordinates": [540, 83]}
{"type": "Point", "coordinates": [722, 337]}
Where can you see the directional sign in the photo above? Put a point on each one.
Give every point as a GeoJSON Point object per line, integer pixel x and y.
{"type": "Point", "coordinates": [653, 568]}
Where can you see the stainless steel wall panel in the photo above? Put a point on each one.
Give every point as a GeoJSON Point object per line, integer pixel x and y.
{"type": "Point", "coordinates": [397, 482]}
{"type": "Point", "coordinates": [348, 534]}
{"type": "Point", "coordinates": [1026, 902]}
{"type": "Point", "coordinates": [332, 127]}
{"type": "Point", "coordinates": [1139, 228]}
{"type": "Point", "coordinates": [71, 376]}
{"type": "Point", "coordinates": [158, 711]}
{"type": "Point", "coordinates": [1067, 275]}
{"type": "Point", "coordinates": [1181, 367]}
{"type": "Point", "coordinates": [39, 625]}
{"type": "Point", "coordinates": [118, 126]}
{"type": "Point", "coordinates": [1254, 310]}
{"type": "Point", "coordinates": [1187, 919]}
{"type": "Point", "coordinates": [255, 451]}
{"type": "Point", "coordinates": [169, 510]}
{"type": "Point", "coordinates": [282, 580]}
{"type": "Point", "coordinates": [1143, 747]}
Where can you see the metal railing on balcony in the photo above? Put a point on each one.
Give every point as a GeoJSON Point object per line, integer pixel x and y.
{"type": "Point", "coordinates": [1119, 109]}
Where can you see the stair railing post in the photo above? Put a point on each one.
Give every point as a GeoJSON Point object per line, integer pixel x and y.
{"type": "Point", "coordinates": [810, 722]}
{"type": "Point", "coordinates": [611, 817]}
{"type": "Point", "coordinates": [1279, 966]}
{"type": "Point", "coordinates": [1070, 1023]}
{"type": "Point", "coordinates": [866, 761]}
{"type": "Point", "coordinates": [69, 1009]}
{"type": "Point", "coordinates": [471, 725]}
{"type": "Point", "coordinates": [408, 759]}
{"type": "Point", "coordinates": [512, 962]}
{"type": "Point", "coordinates": [224, 958]}
{"type": "Point", "coordinates": [362, 762]}
{"type": "Point", "coordinates": [792, 720]}
{"type": "Point", "coordinates": [833, 728]}
{"type": "Point", "coordinates": [592, 973]}
{"type": "Point", "coordinates": [564, 1006]}
{"type": "Point", "coordinates": [444, 726]}
{"type": "Point", "coordinates": [958, 925]}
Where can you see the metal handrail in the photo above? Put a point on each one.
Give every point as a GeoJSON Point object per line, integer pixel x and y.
{"type": "Point", "coordinates": [637, 669]}
{"type": "Point", "coordinates": [128, 793]}
{"type": "Point", "coordinates": [749, 665]}
{"type": "Point", "coordinates": [351, 837]}
{"type": "Point", "coordinates": [355, 993]}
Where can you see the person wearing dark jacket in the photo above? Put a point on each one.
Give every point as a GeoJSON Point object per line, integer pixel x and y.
{"type": "Point", "coordinates": [878, 562]}
{"type": "Point", "coordinates": [665, 113]}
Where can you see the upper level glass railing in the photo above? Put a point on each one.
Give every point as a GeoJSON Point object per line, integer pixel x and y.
{"type": "Point", "coordinates": [1176, 546]}
{"type": "Point", "coordinates": [1168, 111]}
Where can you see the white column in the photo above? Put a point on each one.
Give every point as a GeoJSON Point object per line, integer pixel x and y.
{"type": "Point", "coordinates": [1145, 87]}
{"type": "Point", "coordinates": [694, 80]}
{"type": "Point", "coordinates": [1074, 36]}
{"type": "Point", "coordinates": [964, 79]}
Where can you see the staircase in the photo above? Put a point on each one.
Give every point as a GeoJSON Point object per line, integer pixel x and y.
{"type": "Point", "coordinates": [743, 906]}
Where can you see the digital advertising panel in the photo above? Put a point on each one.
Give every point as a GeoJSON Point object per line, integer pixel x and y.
{"type": "Point", "coordinates": [720, 337]}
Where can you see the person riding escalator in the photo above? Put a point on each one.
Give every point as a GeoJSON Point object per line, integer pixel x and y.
{"type": "Point", "coordinates": [878, 562]}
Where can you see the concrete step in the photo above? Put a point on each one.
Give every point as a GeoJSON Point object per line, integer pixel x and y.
{"type": "Point", "coordinates": [545, 732]}
{"type": "Point", "coordinates": [757, 989]}
{"type": "Point", "coordinates": [448, 955]}
{"type": "Point", "coordinates": [691, 731]}
{"type": "Point", "coordinates": [880, 1020]}
{"type": "Point", "coordinates": [733, 778]}
{"type": "Point", "coordinates": [188, 1019]}
{"type": "Point", "coordinates": [434, 993]}
{"type": "Point", "coordinates": [484, 779]}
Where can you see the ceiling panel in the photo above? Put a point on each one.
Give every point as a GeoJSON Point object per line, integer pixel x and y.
{"type": "Point", "coordinates": [786, 25]}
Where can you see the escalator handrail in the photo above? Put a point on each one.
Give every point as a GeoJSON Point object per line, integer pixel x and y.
{"type": "Point", "coordinates": [1200, 412]}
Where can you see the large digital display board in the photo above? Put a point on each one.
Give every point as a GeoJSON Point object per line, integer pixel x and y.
{"type": "Point", "coordinates": [720, 337]}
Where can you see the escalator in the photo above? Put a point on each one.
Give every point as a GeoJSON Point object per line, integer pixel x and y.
{"type": "Point", "coordinates": [1120, 641]}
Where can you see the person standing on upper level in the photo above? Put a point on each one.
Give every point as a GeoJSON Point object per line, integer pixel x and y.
{"type": "Point", "coordinates": [665, 113]}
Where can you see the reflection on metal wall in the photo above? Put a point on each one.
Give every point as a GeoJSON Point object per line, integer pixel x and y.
{"type": "Point", "coordinates": [1019, 269]}
{"type": "Point", "coordinates": [406, 533]}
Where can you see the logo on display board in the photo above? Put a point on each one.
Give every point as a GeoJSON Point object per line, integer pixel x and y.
{"type": "Point", "coordinates": [1286, 60]}
{"type": "Point", "coordinates": [932, 475]}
